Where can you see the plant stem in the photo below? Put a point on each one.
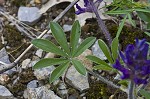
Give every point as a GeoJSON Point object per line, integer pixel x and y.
{"type": "Point", "coordinates": [103, 79]}
{"type": "Point", "coordinates": [100, 23]}
{"type": "Point", "coordinates": [131, 90]}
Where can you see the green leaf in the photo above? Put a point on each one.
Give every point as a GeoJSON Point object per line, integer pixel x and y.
{"type": "Point", "coordinates": [96, 60]}
{"type": "Point", "coordinates": [145, 94]}
{"type": "Point", "coordinates": [124, 82]}
{"type": "Point", "coordinates": [119, 12]}
{"type": "Point", "coordinates": [84, 45]}
{"type": "Point", "coordinates": [58, 71]}
{"type": "Point", "coordinates": [121, 26]}
{"type": "Point", "coordinates": [147, 33]}
{"type": "Point", "coordinates": [114, 48]}
{"type": "Point", "coordinates": [103, 67]}
{"type": "Point", "coordinates": [130, 20]}
{"type": "Point", "coordinates": [75, 34]}
{"type": "Point", "coordinates": [144, 16]}
{"type": "Point", "coordinates": [60, 37]}
{"type": "Point", "coordinates": [49, 62]}
{"type": "Point", "coordinates": [48, 46]}
{"type": "Point", "coordinates": [148, 26]}
{"type": "Point", "coordinates": [143, 10]}
{"type": "Point", "coordinates": [105, 50]}
{"type": "Point", "coordinates": [79, 66]}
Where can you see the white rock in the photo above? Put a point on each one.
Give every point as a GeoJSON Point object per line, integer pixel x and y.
{"type": "Point", "coordinates": [67, 27]}
{"type": "Point", "coordinates": [29, 15]}
{"type": "Point", "coordinates": [43, 73]}
{"type": "Point", "coordinates": [50, 55]}
{"type": "Point", "coordinates": [41, 93]}
{"type": "Point", "coordinates": [39, 53]}
{"type": "Point", "coordinates": [77, 80]}
{"type": "Point", "coordinates": [25, 63]}
{"type": "Point", "coordinates": [97, 51]}
{"type": "Point", "coordinates": [5, 93]}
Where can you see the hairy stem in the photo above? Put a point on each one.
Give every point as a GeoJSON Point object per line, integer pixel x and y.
{"type": "Point", "coordinates": [100, 23]}
{"type": "Point", "coordinates": [131, 90]}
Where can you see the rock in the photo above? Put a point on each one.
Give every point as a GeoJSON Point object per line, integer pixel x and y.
{"type": "Point", "coordinates": [84, 60]}
{"type": "Point", "coordinates": [5, 93]}
{"type": "Point", "coordinates": [62, 90]}
{"type": "Point", "coordinates": [67, 27]}
{"type": "Point", "coordinates": [43, 73]}
{"type": "Point", "coordinates": [44, 1]}
{"type": "Point", "coordinates": [41, 93]}
{"type": "Point", "coordinates": [4, 78]}
{"type": "Point", "coordinates": [50, 55]}
{"type": "Point", "coordinates": [39, 53]}
{"type": "Point", "coordinates": [97, 51]}
{"type": "Point", "coordinates": [32, 84]}
{"type": "Point", "coordinates": [5, 59]}
{"type": "Point", "coordinates": [29, 15]}
{"type": "Point", "coordinates": [76, 79]}
{"type": "Point", "coordinates": [25, 63]}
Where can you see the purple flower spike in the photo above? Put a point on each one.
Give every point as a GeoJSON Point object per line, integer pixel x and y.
{"type": "Point", "coordinates": [87, 7]}
{"type": "Point", "coordinates": [136, 65]}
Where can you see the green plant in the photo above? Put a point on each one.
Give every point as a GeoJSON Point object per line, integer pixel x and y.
{"type": "Point", "coordinates": [68, 51]}
{"type": "Point", "coordinates": [111, 55]}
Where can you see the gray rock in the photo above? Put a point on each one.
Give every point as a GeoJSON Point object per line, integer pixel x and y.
{"type": "Point", "coordinates": [26, 63]}
{"type": "Point", "coordinates": [29, 15]}
{"type": "Point", "coordinates": [76, 79]}
{"type": "Point", "coordinates": [43, 73]}
{"type": "Point", "coordinates": [41, 93]}
{"type": "Point", "coordinates": [5, 59]}
{"type": "Point", "coordinates": [32, 84]}
{"type": "Point", "coordinates": [39, 53]}
{"type": "Point", "coordinates": [5, 93]}
{"type": "Point", "coordinates": [97, 51]}
{"type": "Point", "coordinates": [67, 27]}
{"type": "Point", "coordinates": [44, 1]}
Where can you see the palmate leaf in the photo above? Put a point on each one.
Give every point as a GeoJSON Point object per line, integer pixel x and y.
{"type": "Point", "coordinates": [79, 66]}
{"type": "Point", "coordinates": [75, 35]}
{"type": "Point", "coordinates": [60, 37]}
{"type": "Point", "coordinates": [145, 94]}
{"type": "Point", "coordinates": [84, 45]}
{"type": "Point", "coordinates": [49, 62]}
{"type": "Point", "coordinates": [96, 60]}
{"type": "Point", "coordinates": [105, 50]}
{"type": "Point", "coordinates": [48, 46]}
{"type": "Point", "coordinates": [114, 48]}
{"type": "Point", "coordinates": [59, 71]}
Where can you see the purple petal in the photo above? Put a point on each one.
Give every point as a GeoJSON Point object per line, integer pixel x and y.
{"type": "Point", "coordinates": [86, 2]}
{"type": "Point", "coordinates": [122, 56]}
{"type": "Point", "coordinates": [80, 10]}
{"type": "Point", "coordinates": [129, 54]}
{"type": "Point", "coordinates": [140, 81]}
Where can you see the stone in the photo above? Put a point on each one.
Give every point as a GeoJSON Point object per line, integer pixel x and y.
{"type": "Point", "coordinates": [67, 27]}
{"type": "Point", "coordinates": [4, 58]}
{"type": "Point", "coordinates": [29, 15]}
{"type": "Point", "coordinates": [76, 79]}
{"type": "Point", "coordinates": [43, 73]}
{"type": "Point", "coordinates": [41, 93]}
{"type": "Point", "coordinates": [4, 78]}
{"type": "Point", "coordinates": [5, 93]}
{"type": "Point", "coordinates": [39, 53]}
{"type": "Point", "coordinates": [50, 55]}
{"type": "Point", "coordinates": [88, 64]}
{"type": "Point", "coordinates": [97, 51]}
{"type": "Point", "coordinates": [25, 63]}
{"type": "Point", "coordinates": [32, 84]}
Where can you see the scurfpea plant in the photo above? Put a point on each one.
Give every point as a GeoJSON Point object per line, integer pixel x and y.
{"type": "Point", "coordinates": [68, 51]}
{"type": "Point", "coordinates": [111, 55]}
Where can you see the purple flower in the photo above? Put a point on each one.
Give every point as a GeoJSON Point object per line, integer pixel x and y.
{"type": "Point", "coordinates": [137, 66]}
{"type": "Point", "coordinates": [87, 7]}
